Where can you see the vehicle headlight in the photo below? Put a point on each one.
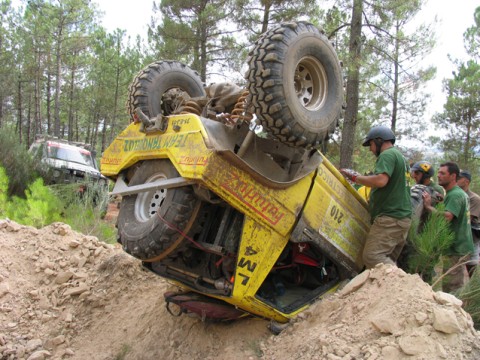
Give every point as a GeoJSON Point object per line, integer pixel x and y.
{"type": "Point", "coordinates": [56, 173]}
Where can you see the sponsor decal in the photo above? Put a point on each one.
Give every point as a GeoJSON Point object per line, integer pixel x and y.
{"type": "Point", "coordinates": [253, 198]}
{"type": "Point", "coordinates": [193, 160]}
{"type": "Point", "coordinates": [110, 161]}
{"type": "Point", "coordinates": [155, 142]}
{"type": "Point", "coordinates": [180, 122]}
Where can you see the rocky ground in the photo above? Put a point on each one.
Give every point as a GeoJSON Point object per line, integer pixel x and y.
{"type": "Point", "coordinates": [65, 295]}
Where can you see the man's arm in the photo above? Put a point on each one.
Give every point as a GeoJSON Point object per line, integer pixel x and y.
{"type": "Point", "coordinates": [373, 181]}
{"type": "Point", "coordinates": [427, 204]}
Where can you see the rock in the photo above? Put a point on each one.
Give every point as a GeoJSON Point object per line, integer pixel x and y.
{"type": "Point", "coordinates": [21, 351]}
{"type": "Point", "coordinates": [355, 284]}
{"type": "Point", "coordinates": [445, 299]}
{"type": "Point", "coordinates": [73, 244]}
{"type": "Point", "coordinates": [421, 317]}
{"type": "Point", "coordinates": [39, 355]}
{"type": "Point", "coordinates": [77, 290]}
{"type": "Point", "coordinates": [80, 275]}
{"type": "Point", "coordinates": [440, 350]}
{"type": "Point", "coordinates": [33, 345]}
{"type": "Point", "coordinates": [68, 317]}
{"type": "Point", "coordinates": [391, 352]}
{"type": "Point", "coordinates": [98, 251]}
{"type": "Point", "coordinates": [4, 289]}
{"type": "Point", "coordinates": [13, 227]}
{"type": "Point", "coordinates": [82, 262]}
{"type": "Point", "coordinates": [386, 324]}
{"type": "Point", "coordinates": [63, 277]}
{"type": "Point", "coordinates": [60, 339]}
{"type": "Point", "coordinates": [48, 272]}
{"type": "Point", "coordinates": [444, 320]}
{"type": "Point", "coordinates": [62, 229]}
{"type": "Point", "coordinates": [3, 223]}
{"type": "Point", "coordinates": [54, 342]}
{"type": "Point", "coordinates": [415, 344]}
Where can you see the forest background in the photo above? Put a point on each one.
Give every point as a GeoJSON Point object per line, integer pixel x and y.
{"type": "Point", "coordinates": [66, 75]}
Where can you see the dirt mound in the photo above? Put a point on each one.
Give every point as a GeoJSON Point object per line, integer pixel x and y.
{"type": "Point", "coordinates": [65, 295]}
{"type": "Point", "coordinates": [383, 313]}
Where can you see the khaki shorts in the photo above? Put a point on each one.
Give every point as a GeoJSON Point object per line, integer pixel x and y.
{"type": "Point", "coordinates": [457, 275]}
{"type": "Point", "coordinates": [385, 240]}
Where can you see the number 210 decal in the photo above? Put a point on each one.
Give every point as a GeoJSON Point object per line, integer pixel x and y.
{"type": "Point", "coordinates": [336, 214]}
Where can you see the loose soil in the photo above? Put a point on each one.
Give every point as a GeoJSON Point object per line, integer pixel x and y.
{"type": "Point", "coordinates": [65, 295]}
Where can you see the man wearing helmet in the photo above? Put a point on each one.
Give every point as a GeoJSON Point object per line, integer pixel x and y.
{"type": "Point", "coordinates": [390, 207]}
{"type": "Point", "coordinates": [422, 172]}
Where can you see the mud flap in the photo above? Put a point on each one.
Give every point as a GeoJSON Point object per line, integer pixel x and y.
{"type": "Point", "coordinates": [202, 306]}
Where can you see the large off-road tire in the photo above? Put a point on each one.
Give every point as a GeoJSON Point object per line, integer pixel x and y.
{"type": "Point", "coordinates": [295, 84]}
{"type": "Point", "coordinates": [153, 84]}
{"type": "Point", "coordinates": [151, 224]}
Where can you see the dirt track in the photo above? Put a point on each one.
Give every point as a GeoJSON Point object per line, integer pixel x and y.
{"type": "Point", "coordinates": [64, 295]}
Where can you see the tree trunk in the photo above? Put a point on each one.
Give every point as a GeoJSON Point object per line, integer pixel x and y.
{"type": "Point", "coordinates": [49, 99]}
{"type": "Point", "coordinates": [396, 66]}
{"type": "Point", "coordinates": [115, 99]}
{"type": "Point", "coordinates": [1, 90]}
{"type": "Point", "coordinates": [353, 85]}
{"type": "Point", "coordinates": [19, 123]}
{"type": "Point", "coordinates": [266, 15]}
{"type": "Point", "coordinates": [29, 121]}
{"type": "Point", "coordinates": [56, 120]}
{"type": "Point", "coordinates": [70, 102]}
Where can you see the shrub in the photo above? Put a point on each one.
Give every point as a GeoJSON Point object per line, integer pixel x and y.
{"type": "Point", "coordinates": [3, 192]}
{"type": "Point", "coordinates": [470, 295]}
{"type": "Point", "coordinates": [42, 205]}
{"type": "Point", "coordinates": [39, 208]}
{"type": "Point", "coordinates": [429, 244]}
{"type": "Point", "coordinates": [20, 167]}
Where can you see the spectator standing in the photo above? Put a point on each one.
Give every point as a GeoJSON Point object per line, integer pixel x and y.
{"type": "Point", "coordinates": [389, 204]}
{"type": "Point", "coordinates": [422, 172]}
{"type": "Point", "coordinates": [464, 180]}
{"type": "Point", "coordinates": [457, 214]}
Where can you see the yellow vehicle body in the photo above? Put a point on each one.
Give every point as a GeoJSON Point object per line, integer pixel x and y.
{"type": "Point", "coordinates": [320, 208]}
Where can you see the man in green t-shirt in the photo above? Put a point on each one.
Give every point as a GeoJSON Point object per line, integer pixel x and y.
{"type": "Point", "coordinates": [457, 212]}
{"type": "Point", "coordinates": [390, 207]}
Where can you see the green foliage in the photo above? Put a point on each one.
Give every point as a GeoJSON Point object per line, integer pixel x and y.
{"type": "Point", "coordinates": [54, 53]}
{"type": "Point", "coordinates": [470, 295]}
{"type": "Point", "coordinates": [42, 205]}
{"type": "Point", "coordinates": [3, 192]}
{"type": "Point", "coordinates": [430, 243]}
{"type": "Point", "coordinates": [91, 203]}
{"type": "Point", "coordinates": [460, 117]}
{"type": "Point", "coordinates": [472, 37]}
{"type": "Point", "coordinates": [39, 208]}
{"type": "Point", "coordinates": [19, 166]}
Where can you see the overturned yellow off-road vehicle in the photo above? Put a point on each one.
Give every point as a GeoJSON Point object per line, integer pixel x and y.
{"type": "Point", "coordinates": [223, 189]}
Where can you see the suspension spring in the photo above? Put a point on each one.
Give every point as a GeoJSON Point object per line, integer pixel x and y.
{"type": "Point", "coordinates": [240, 112]}
{"type": "Point", "coordinates": [191, 107]}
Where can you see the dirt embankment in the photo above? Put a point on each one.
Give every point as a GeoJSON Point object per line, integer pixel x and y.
{"type": "Point", "coordinates": [65, 295]}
